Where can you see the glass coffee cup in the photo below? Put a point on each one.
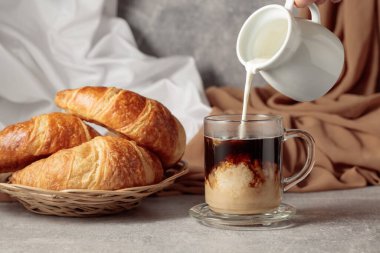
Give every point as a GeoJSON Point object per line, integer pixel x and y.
{"type": "Point", "coordinates": [243, 162]}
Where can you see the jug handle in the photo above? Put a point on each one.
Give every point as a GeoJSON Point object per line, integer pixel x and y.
{"type": "Point", "coordinates": [315, 16]}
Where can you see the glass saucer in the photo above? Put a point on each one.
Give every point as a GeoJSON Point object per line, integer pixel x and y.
{"type": "Point", "coordinates": [278, 218]}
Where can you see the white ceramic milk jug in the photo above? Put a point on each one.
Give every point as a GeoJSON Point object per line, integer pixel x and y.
{"type": "Point", "coordinates": [300, 58]}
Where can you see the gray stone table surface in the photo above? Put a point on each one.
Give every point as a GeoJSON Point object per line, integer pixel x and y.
{"type": "Point", "coordinates": [335, 221]}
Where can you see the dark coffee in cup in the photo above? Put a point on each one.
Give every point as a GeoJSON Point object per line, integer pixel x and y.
{"type": "Point", "coordinates": [243, 175]}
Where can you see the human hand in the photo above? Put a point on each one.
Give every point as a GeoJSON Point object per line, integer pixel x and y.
{"type": "Point", "coordinates": [304, 3]}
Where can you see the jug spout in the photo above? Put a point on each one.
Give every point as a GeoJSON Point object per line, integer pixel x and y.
{"type": "Point", "coordinates": [254, 66]}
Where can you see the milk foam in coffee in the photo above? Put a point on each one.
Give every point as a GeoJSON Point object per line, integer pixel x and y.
{"type": "Point", "coordinates": [243, 176]}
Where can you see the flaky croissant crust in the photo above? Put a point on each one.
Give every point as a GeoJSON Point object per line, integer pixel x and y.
{"type": "Point", "coordinates": [143, 120]}
{"type": "Point", "coordinates": [104, 163]}
{"type": "Point", "coordinates": [29, 141]}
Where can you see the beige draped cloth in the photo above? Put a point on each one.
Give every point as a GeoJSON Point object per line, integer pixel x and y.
{"type": "Point", "coordinates": [345, 123]}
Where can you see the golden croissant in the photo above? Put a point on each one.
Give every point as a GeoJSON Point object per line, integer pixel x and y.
{"type": "Point", "coordinates": [104, 163]}
{"type": "Point", "coordinates": [146, 121]}
{"type": "Point", "coordinates": [26, 142]}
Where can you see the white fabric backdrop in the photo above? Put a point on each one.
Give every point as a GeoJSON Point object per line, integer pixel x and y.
{"type": "Point", "coordinates": [46, 46]}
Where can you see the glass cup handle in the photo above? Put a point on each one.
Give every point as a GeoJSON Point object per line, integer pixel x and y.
{"type": "Point", "coordinates": [291, 181]}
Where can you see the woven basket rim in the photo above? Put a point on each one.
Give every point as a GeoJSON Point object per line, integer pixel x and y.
{"type": "Point", "coordinates": [183, 169]}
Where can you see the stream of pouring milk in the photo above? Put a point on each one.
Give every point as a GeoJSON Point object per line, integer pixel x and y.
{"type": "Point", "coordinates": [251, 69]}
{"type": "Point", "coordinates": [266, 44]}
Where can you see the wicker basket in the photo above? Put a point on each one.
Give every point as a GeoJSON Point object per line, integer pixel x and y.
{"type": "Point", "coordinates": [86, 203]}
